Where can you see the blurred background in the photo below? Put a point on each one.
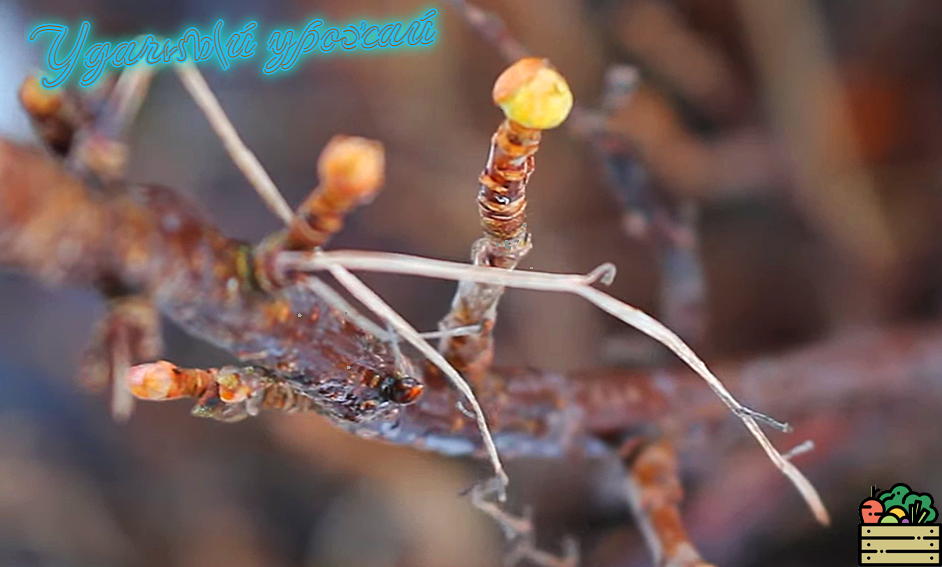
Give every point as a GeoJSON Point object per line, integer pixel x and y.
{"type": "Point", "coordinates": [766, 175]}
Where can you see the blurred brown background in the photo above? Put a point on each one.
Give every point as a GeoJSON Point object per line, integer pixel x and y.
{"type": "Point", "coordinates": [808, 134]}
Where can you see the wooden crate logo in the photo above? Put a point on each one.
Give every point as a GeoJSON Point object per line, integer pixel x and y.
{"type": "Point", "coordinates": [897, 528]}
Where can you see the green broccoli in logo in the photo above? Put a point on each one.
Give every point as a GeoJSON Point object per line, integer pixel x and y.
{"type": "Point", "coordinates": [920, 508]}
{"type": "Point", "coordinates": [907, 506]}
{"type": "Point", "coordinates": [894, 496]}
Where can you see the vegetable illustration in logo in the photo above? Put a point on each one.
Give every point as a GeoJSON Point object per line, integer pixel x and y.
{"type": "Point", "coordinates": [896, 528]}
{"type": "Point", "coordinates": [894, 515]}
{"type": "Point", "coordinates": [871, 509]}
{"type": "Point", "coordinates": [919, 507]}
{"type": "Point", "coordinates": [898, 505]}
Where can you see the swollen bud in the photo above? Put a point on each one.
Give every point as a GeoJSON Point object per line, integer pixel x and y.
{"type": "Point", "coordinates": [352, 165]}
{"type": "Point", "coordinates": [532, 93]}
{"type": "Point", "coordinates": [39, 101]}
{"type": "Point", "coordinates": [153, 381]}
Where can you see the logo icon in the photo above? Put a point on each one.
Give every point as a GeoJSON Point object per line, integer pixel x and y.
{"type": "Point", "coordinates": [896, 528]}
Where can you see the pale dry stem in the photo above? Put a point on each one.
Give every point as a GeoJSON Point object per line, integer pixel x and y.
{"type": "Point", "coordinates": [241, 155]}
{"type": "Point", "coordinates": [368, 297]}
{"type": "Point", "coordinates": [254, 171]}
{"type": "Point", "coordinates": [338, 263]}
{"type": "Point", "coordinates": [580, 285]}
{"type": "Point", "coordinates": [122, 401]}
{"type": "Point", "coordinates": [520, 532]}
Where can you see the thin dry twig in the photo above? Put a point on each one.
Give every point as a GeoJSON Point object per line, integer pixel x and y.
{"type": "Point", "coordinates": [122, 402]}
{"type": "Point", "coordinates": [578, 285]}
{"type": "Point", "coordinates": [368, 297]}
{"type": "Point", "coordinates": [244, 159]}
{"type": "Point", "coordinates": [630, 315]}
{"type": "Point", "coordinates": [519, 531]}
{"type": "Point", "coordinates": [800, 449]}
{"type": "Point", "coordinates": [126, 99]}
{"type": "Point", "coordinates": [255, 172]}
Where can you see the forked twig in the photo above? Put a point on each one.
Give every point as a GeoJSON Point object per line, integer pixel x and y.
{"type": "Point", "coordinates": [368, 297]}
{"type": "Point", "coordinates": [338, 264]}
{"type": "Point", "coordinates": [126, 99]}
{"type": "Point", "coordinates": [519, 531]}
{"type": "Point", "coordinates": [266, 188]}
{"type": "Point", "coordinates": [568, 283]}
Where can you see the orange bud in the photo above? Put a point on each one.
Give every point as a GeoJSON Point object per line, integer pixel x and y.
{"type": "Point", "coordinates": [162, 380]}
{"type": "Point", "coordinates": [153, 381]}
{"type": "Point", "coordinates": [355, 165]}
{"type": "Point", "coordinates": [37, 99]}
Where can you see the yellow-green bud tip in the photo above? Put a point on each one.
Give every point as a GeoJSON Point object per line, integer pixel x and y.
{"type": "Point", "coordinates": [532, 93]}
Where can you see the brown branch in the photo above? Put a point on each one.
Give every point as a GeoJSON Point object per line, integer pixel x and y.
{"type": "Point", "coordinates": [121, 241]}
{"type": "Point", "coordinates": [645, 215]}
{"type": "Point", "coordinates": [351, 172]}
{"type": "Point", "coordinates": [56, 114]}
{"type": "Point", "coordinates": [150, 240]}
{"type": "Point", "coordinates": [128, 333]}
{"type": "Point", "coordinates": [533, 97]}
{"type": "Point", "coordinates": [536, 413]}
{"type": "Point", "coordinates": [654, 492]}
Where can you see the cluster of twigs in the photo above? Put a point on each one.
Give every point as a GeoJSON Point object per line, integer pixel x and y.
{"type": "Point", "coordinates": [301, 346]}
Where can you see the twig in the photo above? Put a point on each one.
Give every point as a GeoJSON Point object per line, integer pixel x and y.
{"type": "Point", "coordinates": [369, 298]}
{"type": "Point", "coordinates": [800, 449]}
{"type": "Point", "coordinates": [683, 287]}
{"type": "Point", "coordinates": [122, 402]}
{"type": "Point", "coordinates": [351, 171]}
{"type": "Point", "coordinates": [653, 490]}
{"type": "Point", "coordinates": [226, 394]}
{"type": "Point", "coordinates": [101, 148]}
{"type": "Point", "coordinates": [128, 333]}
{"type": "Point", "coordinates": [126, 98]}
{"type": "Point", "coordinates": [567, 283]}
{"type": "Point", "coordinates": [369, 181]}
{"type": "Point", "coordinates": [241, 155]}
{"type": "Point", "coordinates": [351, 313]}
{"type": "Point", "coordinates": [519, 531]}
{"type": "Point", "coordinates": [492, 28]}
{"type": "Point", "coordinates": [392, 263]}
{"type": "Point", "coordinates": [534, 97]}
